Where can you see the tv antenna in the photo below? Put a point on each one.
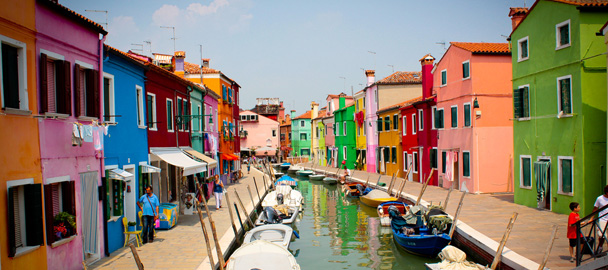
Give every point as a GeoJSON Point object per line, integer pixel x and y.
{"type": "Point", "coordinates": [100, 11]}
{"type": "Point", "coordinates": [392, 67]}
{"type": "Point", "coordinates": [442, 44]}
{"type": "Point", "coordinates": [172, 28]}
{"type": "Point", "coordinates": [149, 42]}
{"type": "Point", "coordinates": [141, 46]}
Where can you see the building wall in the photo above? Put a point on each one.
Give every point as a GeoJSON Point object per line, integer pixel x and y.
{"type": "Point", "coordinates": [409, 144]}
{"type": "Point", "coordinates": [20, 153]}
{"type": "Point", "coordinates": [259, 132]}
{"type": "Point", "coordinates": [316, 135]}
{"type": "Point", "coordinates": [389, 95]}
{"type": "Point", "coordinates": [371, 107]}
{"type": "Point", "coordinates": [582, 136]}
{"type": "Point", "coordinates": [322, 153]}
{"type": "Point", "coordinates": [296, 130]}
{"type": "Point", "coordinates": [361, 140]}
{"type": "Point", "coordinates": [211, 129]}
{"type": "Point", "coordinates": [330, 139]}
{"type": "Point", "coordinates": [196, 103]}
{"type": "Point", "coordinates": [389, 139]}
{"type": "Point", "coordinates": [342, 116]}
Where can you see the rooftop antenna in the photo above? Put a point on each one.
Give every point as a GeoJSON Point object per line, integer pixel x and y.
{"type": "Point", "coordinates": [374, 53]}
{"type": "Point", "coordinates": [202, 66]}
{"type": "Point", "coordinates": [442, 44]}
{"type": "Point", "coordinates": [100, 11]}
{"type": "Point", "coordinates": [138, 45]}
{"type": "Point", "coordinates": [343, 88]}
{"type": "Point", "coordinates": [392, 67]}
{"type": "Point", "coordinates": [149, 42]}
{"type": "Point", "coordinates": [173, 28]}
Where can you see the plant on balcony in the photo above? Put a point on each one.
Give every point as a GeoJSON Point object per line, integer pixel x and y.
{"type": "Point", "coordinates": [65, 225]}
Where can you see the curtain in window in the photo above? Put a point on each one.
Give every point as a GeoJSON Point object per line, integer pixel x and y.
{"type": "Point", "coordinates": [541, 171]}
{"type": "Point", "coordinates": [564, 86]}
{"type": "Point", "coordinates": [566, 175]}
{"type": "Point", "coordinates": [89, 212]}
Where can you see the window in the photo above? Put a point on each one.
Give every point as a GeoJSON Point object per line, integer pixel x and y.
{"type": "Point", "coordinates": [454, 116]}
{"type": "Point", "coordinates": [525, 171]}
{"type": "Point", "coordinates": [433, 158]}
{"type": "Point", "coordinates": [521, 102]}
{"type": "Point", "coordinates": [140, 106]}
{"type": "Point", "coordinates": [404, 125]}
{"type": "Point", "coordinates": [386, 152]}
{"type": "Point", "coordinates": [415, 160]}
{"type": "Point", "coordinates": [197, 123]}
{"type": "Point", "coordinates": [443, 161]}
{"type": "Point", "coordinates": [108, 98]}
{"type": "Point", "coordinates": [305, 152]}
{"type": "Point", "coordinates": [466, 74]}
{"type": "Point", "coordinates": [344, 128]}
{"type": "Point", "coordinates": [405, 161]}
{"type": "Point", "coordinates": [302, 136]}
{"type": "Point", "coordinates": [414, 129]}
{"type": "Point", "coordinates": [394, 154]}
{"type": "Point", "coordinates": [467, 114]}
{"type": "Point", "coordinates": [115, 197]}
{"type": "Point", "coordinates": [379, 124]}
{"type": "Point", "coordinates": [302, 123]}
{"type": "Point", "coordinates": [466, 164]}
{"type": "Point", "coordinates": [565, 173]}
{"type": "Point", "coordinates": [151, 111]}
{"type": "Point", "coordinates": [24, 216]}
{"type": "Point", "coordinates": [86, 90]}
{"type": "Point", "coordinates": [289, 135]}
{"type": "Point", "coordinates": [420, 119]}
{"type": "Point", "coordinates": [59, 196]}
{"type": "Point", "coordinates": [180, 114]}
{"type": "Point", "coordinates": [224, 92]}
{"type": "Point", "coordinates": [274, 133]}
{"type": "Point", "coordinates": [444, 77]}
{"type": "Point", "coordinates": [344, 154]}
{"type": "Point", "coordinates": [387, 123]}
{"type": "Point", "coordinates": [395, 121]}
{"type": "Point", "coordinates": [13, 74]}
{"type": "Point", "coordinates": [185, 123]}
{"type": "Point", "coordinates": [562, 35]}
{"type": "Point", "coordinates": [170, 115]}
{"type": "Point", "coordinates": [55, 84]}
{"type": "Point", "coordinates": [564, 94]}
{"type": "Point", "coordinates": [522, 49]}
{"type": "Point", "coordinates": [438, 119]}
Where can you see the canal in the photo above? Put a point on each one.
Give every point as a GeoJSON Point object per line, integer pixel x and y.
{"type": "Point", "coordinates": [338, 232]}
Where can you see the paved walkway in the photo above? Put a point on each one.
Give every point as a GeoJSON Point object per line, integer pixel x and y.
{"type": "Point", "coordinates": [490, 213]}
{"type": "Point", "coordinates": [183, 246]}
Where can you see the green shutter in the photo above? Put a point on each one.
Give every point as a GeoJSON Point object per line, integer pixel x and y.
{"type": "Point", "coordinates": [517, 108]}
{"type": "Point", "coordinates": [108, 197]}
{"type": "Point", "coordinates": [395, 121]}
{"type": "Point", "coordinates": [441, 119]}
{"type": "Point", "coordinates": [566, 175]}
{"type": "Point", "coordinates": [433, 158]}
{"type": "Point", "coordinates": [443, 161]}
{"type": "Point", "coordinates": [435, 118]}
{"type": "Point", "coordinates": [526, 174]}
{"type": "Point", "coordinates": [466, 164]}
{"type": "Point", "coordinates": [525, 101]}
{"type": "Point", "coordinates": [454, 117]}
{"type": "Point", "coordinates": [465, 70]}
{"type": "Point", "coordinates": [467, 115]}
{"type": "Point", "coordinates": [169, 118]}
{"type": "Point", "coordinates": [394, 154]}
{"type": "Point", "coordinates": [12, 248]}
{"type": "Point", "coordinates": [444, 77]}
{"type": "Point", "coordinates": [380, 124]}
{"type": "Point", "coordinates": [524, 49]}
{"type": "Point", "coordinates": [564, 34]}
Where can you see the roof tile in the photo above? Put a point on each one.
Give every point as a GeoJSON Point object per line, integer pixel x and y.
{"type": "Point", "coordinates": [305, 115]}
{"type": "Point", "coordinates": [584, 3]}
{"type": "Point", "coordinates": [483, 47]}
{"type": "Point", "coordinates": [402, 77]}
{"type": "Point", "coordinates": [196, 69]}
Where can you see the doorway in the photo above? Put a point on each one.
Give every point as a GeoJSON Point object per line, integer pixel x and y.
{"type": "Point", "coordinates": [542, 172]}
{"type": "Point", "coordinates": [130, 194]}
{"type": "Point", "coordinates": [89, 216]}
{"type": "Point", "coordinates": [410, 176]}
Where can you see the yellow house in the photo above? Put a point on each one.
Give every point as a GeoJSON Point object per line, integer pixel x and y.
{"type": "Point", "coordinates": [360, 123]}
{"type": "Point", "coordinates": [389, 141]}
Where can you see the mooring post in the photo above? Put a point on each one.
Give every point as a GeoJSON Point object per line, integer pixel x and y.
{"type": "Point", "coordinates": [236, 233]}
{"type": "Point", "coordinates": [244, 209]}
{"type": "Point", "coordinates": [548, 250]}
{"type": "Point", "coordinates": [503, 242]}
{"type": "Point", "coordinates": [206, 235]}
{"type": "Point", "coordinates": [140, 266]}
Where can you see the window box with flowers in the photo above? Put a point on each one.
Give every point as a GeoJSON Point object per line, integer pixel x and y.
{"type": "Point", "coordinates": [64, 228]}
{"type": "Point", "coordinates": [60, 208]}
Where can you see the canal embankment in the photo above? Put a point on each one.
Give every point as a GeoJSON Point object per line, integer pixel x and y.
{"type": "Point", "coordinates": [483, 220]}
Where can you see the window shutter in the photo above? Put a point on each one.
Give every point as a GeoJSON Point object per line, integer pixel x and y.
{"type": "Point", "coordinates": [69, 197]}
{"type": "Point", "coordinates": [93, 94]}
{"type": "Point", "coordinates": [466, 164]}
{"type": "Point", "coordinates": [527, 175]}
{"type": "Point", "coordinates": [66, 87]}
{"type": "Point", "coordinates": [443, 161]}
{"type": "Point", "coordinates": [467, 115]}
{"type": "Point", "coordinates": [12, 245]}
{"type": "Point", "coordinates": [107, 183]}
{"type": "Point", "coordinates": [565, 95]}
{"type": "Point", "coordinates": [517, 108]}
{"type": "Point", "coordinates": [77, 91]}
{"type": "Point", "coordinates": [10, 68]}
{"type": "Point", "coordinates": [454, 116]}
{"type": "Point", "coordinates": [48, 214]}
{"type": "Point", "coordinates": [33, 214]}
{"type": "Point", "coordinates": [44, 103]}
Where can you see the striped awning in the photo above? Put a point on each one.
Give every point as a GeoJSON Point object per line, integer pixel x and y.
{"type": "Point", "coordinates": [145, 168]}
{"type": "Point", "coordinates": [177, 158]}
{"type": "Point", "coordinates": [118, 174]}
{"type": "Point", "coordinates": [211, 163]}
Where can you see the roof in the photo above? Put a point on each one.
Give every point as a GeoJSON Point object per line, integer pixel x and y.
{"type": "Point", "coordinates": [286, 122]}
{"type": "Point", "coordinates": [146, 61]}
{"type": "Point", "coordinates": [402, 77]}
{"type": "Point", "coordinates": [124, 56]}
{"type": "Point", "coordinates": [483, 47]}
{"type": "Point", "coordinates": [399, 105]}
{"type": "Point", "coordinates": [322, 114]}
{"type": "Point", "coordinates": [191, 68]}
{"type": "Point", "coordinates": [73, 15]}
{"type": "Point", "coordinates": [305, 115]}
{"type": "Point", "coordinates": [518, 10]}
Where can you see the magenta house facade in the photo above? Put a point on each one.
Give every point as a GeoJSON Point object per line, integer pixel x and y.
{"type": "Point", "coordinates": [68, 53]}
{"type": "Point", "coordinates": [212, 145]}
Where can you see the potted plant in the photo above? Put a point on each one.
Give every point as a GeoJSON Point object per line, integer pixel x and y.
{"type": "Point", "coordinates": [66, 224]}
{"type": "Point", "coordinates": [132, 225]}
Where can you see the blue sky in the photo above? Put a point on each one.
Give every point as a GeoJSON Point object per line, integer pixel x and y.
{"type": "Point", "coordinates": [298, 50]}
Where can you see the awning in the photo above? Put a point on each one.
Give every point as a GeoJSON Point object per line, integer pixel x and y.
{"type": "Point", "coordinates": [243, 149]}
{"type": "Point", "coordinates": [176, 157]}
{"type": "Point", "coordinates": [118, 174]}
{"type": "Point", "coordinates": [229, 157]}
{"type": "Point", "coordinates": [211, 163]}
{"type": "Point", "coordinates": [145, 168]}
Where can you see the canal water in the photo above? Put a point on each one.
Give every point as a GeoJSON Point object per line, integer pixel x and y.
{"type": "Point", "coordinates": [338, 232]}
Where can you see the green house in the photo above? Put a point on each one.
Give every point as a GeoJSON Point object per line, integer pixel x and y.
{"type": "Point", "coordinates": [345, 133]}
{"type": "Point", "coordinates": [559, 105]}
{"type": "Point", "coordinates": [300, 135]}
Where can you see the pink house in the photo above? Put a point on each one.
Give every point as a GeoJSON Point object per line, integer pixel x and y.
{"type": "Point", "coordinates": [259, 132]}
{"type": "Point", "coordinates": [69, 63]}
{"type": "Point", "coordinates": [474, 105]}
{"type": "Point", "coordinates": [212, 139]}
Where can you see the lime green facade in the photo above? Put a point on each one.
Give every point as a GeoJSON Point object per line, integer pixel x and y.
{"type": "Point", "coordinates": [567, 133]}
{"type": "Point", "coordinates": [345, 134]}
{"type": "Point", "coordinates": [322, 158]}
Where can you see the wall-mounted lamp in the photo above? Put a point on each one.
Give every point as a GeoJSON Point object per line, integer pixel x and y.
{"type": "Point", "coordinates": [476, 104]}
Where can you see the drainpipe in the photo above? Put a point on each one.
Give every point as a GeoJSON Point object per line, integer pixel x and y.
{"type": "Point", "coordinates": [101, 165]}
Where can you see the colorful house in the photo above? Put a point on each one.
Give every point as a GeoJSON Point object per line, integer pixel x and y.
{"type": "Point", "coordinates": [477, 144]}
{"type": "Point", "coordinates": [300, 138]}
{"type": "Point", "coordinates": [389, 137]}
{"type": "Point", "coordinates": [360, 126]}
{"type": "Point", "coordinates": [285, 129]}
{"type": "Point", "coordinates": [21, 243]}
{"type": "Point", "coordinates": [409, 140]}
{"type": "Point", "coordinates": [345, 133]}
{"type": "Point", "coordinates": [260, 134]}
{"type": "Point", "coordinates": [559, 100]}
{"type": "Point", "coordinates": [126, 150]}
{"type": "Point", "coordinates": [427, 136]}
{"type": "Point", "coordinates": [319, 133]}
{"type": "Point", "coordinates": [69, 60]}
{"type": "Point", "coordinates": [329, 140]}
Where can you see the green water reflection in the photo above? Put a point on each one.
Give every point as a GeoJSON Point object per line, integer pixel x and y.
{"type": "Point", "coordinates": [337, 232]}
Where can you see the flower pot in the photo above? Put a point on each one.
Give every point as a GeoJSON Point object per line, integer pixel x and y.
{"type": "Point", "coordinates": [58, 234]}
{"type": "Point", "coordinates": [131, 228]}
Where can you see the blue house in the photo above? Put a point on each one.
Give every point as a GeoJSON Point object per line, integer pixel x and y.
{"type": "Point", "coordinates": [126, 145]}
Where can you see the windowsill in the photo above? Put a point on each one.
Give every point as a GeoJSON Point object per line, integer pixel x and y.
{"type": "Point", "coordinates": [522, 59]}
{"type": "Point", "coordinates": [564, 116]}
{"type": "Point", "coordinates": [153, 129]}
{"type": "Point", "coordinates": [63, 241]}
{"type": "Point", "coordinates": [87, 118]}
{"type": "Point", "coordinates": [468, 177]}
{"type": "Point", "coordinates": [143, 127]}
{"type": "Point", "coordinates": [170, 131]}
{"type": "Point", "coordinates": [443, 85]}
{"type": "Point", "coordinates": [114, 218]}
{"type": "Point", "coordinates": [565, 194]}
{"type": "Point", "coordinates": [110, 123]}
{"type": "Point", "coordinates": [467, 78]}
{"type": "Point", "coordinates": [525, 187]}
{"type": "Point", "coordinates": [524, 119]}
{"type": "Point", "coordinates": [25, 250]}
{"type": "Point", "coordinates": [562, 47]}
{"type": "Point", "coordinates": [57, 115]}
{"type": "Point", "coordinates": [17, 111]}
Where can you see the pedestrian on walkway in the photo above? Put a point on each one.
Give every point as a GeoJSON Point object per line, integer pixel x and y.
{"type": "Point", "coordinates": [248, 167]}
{"type": "Point", "coordinates": [148, 204]}
{"type": "Point", "coordinates": [218, 189]}
{"type": "Point", "coordinates": [571, 232]}
{"type": "Point", "coordinates": [600, 202]}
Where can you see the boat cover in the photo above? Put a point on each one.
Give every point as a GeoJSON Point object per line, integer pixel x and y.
{"type": "Point", "coordinates": [455, 259]}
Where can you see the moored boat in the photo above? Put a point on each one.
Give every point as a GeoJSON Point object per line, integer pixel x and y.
{"type": "Point", "coordinates": [278, 214]}
{"type": "Point", "coordinates": [262, 254]}
{"type": "Point", "coordinates": [316, 177]}
{"type": "Point", "coordinates": [411, 233]}
{"type": "Point", "coordinates": [385, 219]}
{"type": "Point", "coordinates": [354, 189]}
{"type": "Point", "coordinates": [285, 165]}
{"type": "Point", "coordinates": [330, 180]}
{"type": "Point", "coordinates": [294, 169]}
{"type": "Point", "coordinates": [286, 180]}
{"type": "Point", "coordinates": [375, 198]}
{"type": "Point", "coordinates": [274, 233]}
{"type": "Point", "coordinates": [304, 172]}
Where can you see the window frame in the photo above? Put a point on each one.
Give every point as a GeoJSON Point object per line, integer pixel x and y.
{"type": "Point", "coordinates": [396, 121]}
{"type": "Point", "coordinates": [414, 129]}
{"type": "Point", "coordinates": [452, 116]}
{"type": "Point", "coordinates": [442, 118]}
{"type": "Point", "coordinates": [344, 128]}
{"type": "Point", "coordinates": [302, 124]}
{"type": "Point", "coordinates": [420, 119]}
{"type": "Point", "coordinates": [468, 62]}
{"type": "Point", "coordinates": [404, 161]}
{"type": "Point", "coordinates": [153, 113]}
{"type": "Point", "coordinates": [559, 46]}
{"type": "Point", "coordinates": [394, 154]}
{"type": "Point", "coordinates": [519, 55]}
{"type": "Point", "coordinates": [344, 154]}
{"type": "Point", "coordinates": [529, 114]}
{"type": "Point", "coordinates": [83, 113]}
{"type": "Point", "coordinates": [560, 177]}
{"type": "Point", "coordinates": [444, 83]}
{"type": "Point", "coordinates": [559, 96]}
{"type": "Point", "coordinates": [22, 75]}
{"type": "Point", "coordinates": [112, 99]}
{"type": "Point", "coordinates": [19, 251]}
{"type": "Point", "coordinates": [387, 123]}
{"type": "Point", "coordinates": [416, 163]}
{"type": "Point", "coordinates": [199, 122]}
{"type": "Point", "coordinates": [469, 163]}
{"type": "Point", "coordinates": [180, 112]}
{"type": "Point", "coordinates": [172, 129]}
{"type": "Point", "coordinates": [139, 95]}
{"type": "Point", "coordinates": [404, 125]}
{"type": "Point", "coordinates": [521, 171]}
{"type": "Point", "coordinates": [464, 115]}
{"type": "Point", "coordinates": [433, 115]}
{"type": "Point", "coordinates": [444, 163]}
{"type": "Point", "coordinates": [436, 161]}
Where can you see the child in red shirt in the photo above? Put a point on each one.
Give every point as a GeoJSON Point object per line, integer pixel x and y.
{"type": "Point", "coordinates": [572, 219]}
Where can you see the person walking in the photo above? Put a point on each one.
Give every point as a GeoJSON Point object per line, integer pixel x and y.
{"type": "Point", "coordinates": [248, 167]}
{"type": "Point", "coordinates": [148, 204]}
{"type": "Point", "coordinates": [600, 202]}
{"type": "Point", "coordinates": [218, 189]}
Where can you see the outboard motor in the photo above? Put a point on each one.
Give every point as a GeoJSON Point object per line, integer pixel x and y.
{"type": "Point", "coordinates": [279, 199]}
{"type": "Point", "coordinates": [360, 189]}
{"type": "Point", "coordinates": [272, 217]}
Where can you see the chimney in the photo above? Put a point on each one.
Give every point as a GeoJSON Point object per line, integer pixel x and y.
{"type": "Point", "coordinates": [281, 110]}
{"type": "Point", "coordinates": [517, 14]}
{"type": "Point", "coordinates": [342, 101]}
{"type": "Point", "coordinates": [179, 58]}
{"type": "Point", "coordinates": [427, 77]}
{"type": "Point", "coordinates": [206, 62]}
{"type": "Point", "coordinates": [315, 110]}
{"type": "Point", "coordinates": [293, 114]}
{"type": "Point", "coordinates": [371, 77]}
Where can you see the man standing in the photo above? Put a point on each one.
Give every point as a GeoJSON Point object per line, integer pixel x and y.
{"type": "Point", "coordinates": [148, 203]}
{"type": "Point", "coordinates": [600, 202]}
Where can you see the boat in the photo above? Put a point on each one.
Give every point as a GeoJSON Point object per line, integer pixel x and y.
{"type": "Point", "coordinates": [277, 173]}
{"type": "Point", "coordinates": [411, 233]}
{"type": "Point", "coordinates": [454, 258]}
{"type": "Point", "coordinates": [294, 169]}
{"type": "Point", "coordinates": [286, 180]}
{"type": "Point", "coordinates": [278, 214]}
{"type": "Point", "coordinates": [262, 254]}
{"type": "Point", "coordinates": [376, 197]}
{"type": "Point", "coordinates": [382, 209]}
{"type": "Point", "coordinates": [354, 189]}
{"type": "Point", "coordinates": [316, 177]}
{"type": "Point", "coordinates": [285, 165]}
{"type": "Point", "coordinates": [289, 196]}
{"type": "Point", "coordinates": [305, 172]}
{"type": "Point", "coordinates": [330, 180]}
{"type": "Point", "coordinates": [274, 233]}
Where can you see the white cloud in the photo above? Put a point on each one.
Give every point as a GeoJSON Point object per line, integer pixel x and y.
{"type": "Point", "coordinates": [122, 26]}
{"type": "Point", "coordinates": [168, 15]}
{"type": "Point", "coordinates": [202, 10]}
{"type": "Point", "coordinates": [242, 23]}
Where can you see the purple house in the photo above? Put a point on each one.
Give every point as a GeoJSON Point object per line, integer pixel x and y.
{"type": "Point", "coordinates": [68, 52]}
{"type": "Point", "coordinates": [211, 129]}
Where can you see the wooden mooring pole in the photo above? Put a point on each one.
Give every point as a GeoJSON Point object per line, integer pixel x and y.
{"type": "Point", "coordinates": [453, 228]}
{"type": "Point", "coordinates": [390, 185]}
{"type": "Point", "coordinates": [236, 233]}
{"type": "Point", "coordinates": [140, 266]}
{"type": "Point", "coordinates": [503, 242]}
{"type": "Point", "coordinates": [256, 189]}
{"type": "Point", "coordinates": [206, 235]}
{"type": "Point", "coordinates": [447, 198]}
{"type": "Point", "coordinates": [548, 250]}
{"type": "Point", "coordinates": [244, 209]}
{"type": "Point", "coordinates": [252, 201]}
{"type": "Point", "coordinates": [424, 186]}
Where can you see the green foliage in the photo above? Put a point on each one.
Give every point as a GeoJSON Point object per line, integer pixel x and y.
{"type": "Point", "coordinates": [66, 218]}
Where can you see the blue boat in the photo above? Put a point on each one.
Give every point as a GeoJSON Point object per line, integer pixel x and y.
{"type": "Point", "coordinates": [420, 239]}
{"type": "Point", "coordinates": [285, 179]}
{"type": "Point", "coordinates": [285, 165]}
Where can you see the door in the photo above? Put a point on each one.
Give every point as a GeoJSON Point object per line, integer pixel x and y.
{"type": "Point", "coordinates": [542, 173]}
{"type": "Point", "coordinates": [410, 177]}
{"type": "Point", "coordinates": [89, 212]}
{"type": "Point", "coordinates": [130, 194]}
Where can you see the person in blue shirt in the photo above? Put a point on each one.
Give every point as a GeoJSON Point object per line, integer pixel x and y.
{"type": "Point", "coordinates": [218, 190]}
{"type": "Point", "coordinates": [148, 204]}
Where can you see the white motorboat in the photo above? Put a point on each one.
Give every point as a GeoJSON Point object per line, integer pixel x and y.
{"type": "Point", "coordinates": [274, 233]}
{"type": "Point", "coordinates": [290, 197]}
{"type": "Point", "coordinates": [262, 254]}
{"type": "Point", "coordinates": [294, 169]}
